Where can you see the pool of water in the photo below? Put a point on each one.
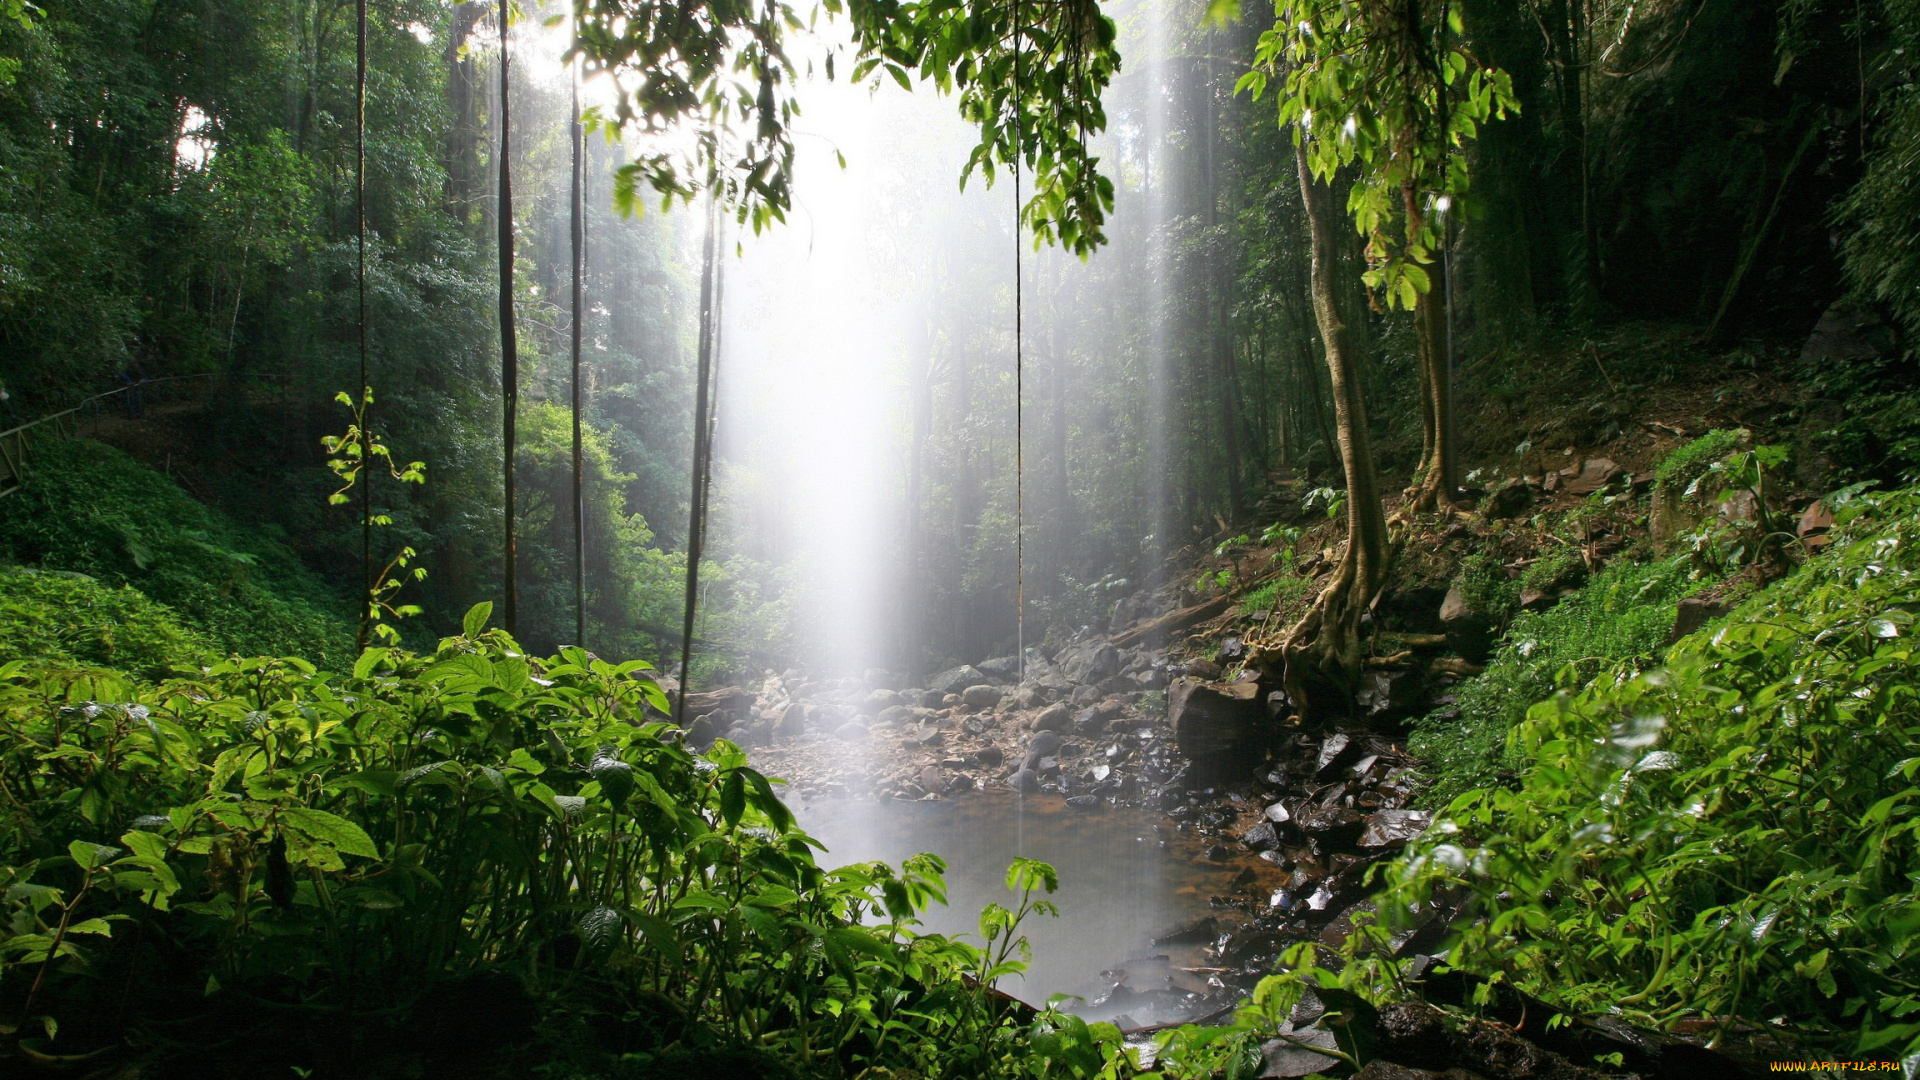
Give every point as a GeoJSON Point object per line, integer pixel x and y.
{"type": "Point", "coordinates": [1121, 884]}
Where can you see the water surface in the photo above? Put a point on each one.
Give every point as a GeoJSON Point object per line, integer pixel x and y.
{"type": "Point", "coordinates": [1120, 884]}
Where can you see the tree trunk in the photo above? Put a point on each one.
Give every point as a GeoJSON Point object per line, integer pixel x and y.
{"type": "Point", "coordinates": [1433, 490]}
{"type": "Point", "coordinates": [1321, 654]}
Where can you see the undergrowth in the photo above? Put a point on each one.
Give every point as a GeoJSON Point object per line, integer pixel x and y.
{"type": "Point", "coordinates": [1734, 832]}
{"type": "Point", "coordinates": [102, 514]}
{"type": "Point", "coordinates": [70, 618]}
{"type": "Point", "coordinates": [1625, 611]}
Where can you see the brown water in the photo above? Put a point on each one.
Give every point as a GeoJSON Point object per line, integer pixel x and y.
{"type": "Point", "coordinates": [1121, 886]}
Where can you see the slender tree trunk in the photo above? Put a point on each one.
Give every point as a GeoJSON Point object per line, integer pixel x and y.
{"type": "Point", "coordinates": [1321, 654]}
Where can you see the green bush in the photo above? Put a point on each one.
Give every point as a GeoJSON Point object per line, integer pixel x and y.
{"type": "Point", "coordinates": [1623, 612]}
{"type": "Point", "coordinates": [91, 509]}
{"type": "Point", "coordinates": [1734, 833]}
{"type": "Point", "coordinates": [70, 618]}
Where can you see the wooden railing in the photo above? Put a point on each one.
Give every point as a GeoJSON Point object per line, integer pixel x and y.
{"type": "Point", "coordinates": [20, 445]}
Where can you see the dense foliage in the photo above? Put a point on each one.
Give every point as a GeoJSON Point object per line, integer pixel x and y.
{"type": "Point", "coordinates": [1729, 833]}
{"type": "Point", "coordinates": [102, 514]}
{"type": "Point", "coordinates": [1625, 612]}
{"type": "Point", "coordinates": [353, 845]}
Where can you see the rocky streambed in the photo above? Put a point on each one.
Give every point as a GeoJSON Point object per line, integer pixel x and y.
{"type": "Point", "coordinates": [1278, 824]}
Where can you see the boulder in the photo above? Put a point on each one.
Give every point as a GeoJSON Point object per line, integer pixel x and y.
{"type": "Point", "coordinates": [956, 680]}
{"type": "Point", "coordinates": [1055, 717]}
{"type": "Point", "coordinates": [1693, 613]}
{"type": "Point", "coordinates": [1215, 725]}
{"type": "Point", "coordinates": [1002, 668]}
{"type": "Point", "coordinates": [931, 778]}
{"type": "Point", "coordinates": [928, 699]}
{"type": "Point", "coordinates": [980, 696]}
{"type": "Point", "coordinates": [1045, 744]}
{"type": "Point", "coordinates": [894, 714]}
{"type": "Point", "coordinates": [1261, 837]}
{"type": "Point", "coordinates": [989, 756]}
{"type": "Point", "coordinates": [1091, 663]}
{"type": "Point", "coordinates": [1025, 781]}
{"type": "Point", "coordinates": [852, 732]}
{"type": "Point", "coordinates": [1089, 722]}
{"type": "Point", "coordinates": [881, 700]}
{"type": "Point", "coordinates": [1846, 332]}
{"type": "Point", "coordinates": [1591, 475]}
{"type": "Point", "coordinates": [790, 721]}
{"type": "Point", "coordinates": [1510, 500]}
{"type": "Point", "coordinates": [1201, 668]}
{"type": "Point", "coordinates": [730, 699]}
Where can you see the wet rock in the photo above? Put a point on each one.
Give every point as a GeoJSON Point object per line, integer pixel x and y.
{"type": "Point", "coordinates": [961, 782]}
{"type": "Point", "coordinates": [1215, 725]}
{"type": "Point", "coordinates": [1232, 649]}
{"type": "Point", "coordinates": [1089, 722]}
{"type": "Point", "coordinates": [1025, 781]}
{"type": "Point", "coordinates": [1055, 717]}
{"type": "Point", "coordinates": [955, 680]}
{"type": "Point", "coordinates": [1091, 663]}
{"type": "Point", "coordinates": [1277, 814]}
{"type": "Point", "coordinates": [1084, 802]}
{"type": "Point", "coordinates": [1282, 1058]}
{"type": "Point", "coordinates": [1846, 332]}
{"type": "Point", "coordinates": [1335, 826]}
{"type": "Point", "coordinates": [1391, 693]}
{"type": "Point", "coordinates": [1003, 668]}
{"type": "Point", "coordinates": [1261, 837]}
{"type": "Point", "coordinates": [703, 730]}
{"type": "Point", "coordinates": [894, 714]}
{"type": "Point", "coordinates": [881, 700]}
{"type": "Point", "coordinates": [1201, 668]}
{"type": "Point", "coordinates": [1045, 743]}
{"type": "Point", "coordinates": [1394, 827]}
{"type": "Point", "coordinates": [1336, 751]}
{"type": "Point", "coordinates": [928, 699]}
{"type": "Point", "coordinates": [931, 778]}
{"type": "Point", "coordinates": [988, 756]}
{"type": "Point", "coordinates": [1085, 695]}
{"type": "Point", "coordinates": [980, 696]}
{"type": "Point", "coordinates": [731, 700]}
{"type": "Point", "coordinates": [852, 732]}
{"type": "Point", "coordinates": [1387, 1070]}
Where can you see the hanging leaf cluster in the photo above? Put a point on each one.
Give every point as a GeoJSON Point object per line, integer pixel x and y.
{"type": "Point", "coordinates": [1392, 88]}
{"type": "Point", "coordinates": [1029, 74]}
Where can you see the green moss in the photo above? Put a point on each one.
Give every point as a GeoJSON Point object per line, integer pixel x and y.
{"type": "Point", "coordinates": [1482, 582]}
{"type": "Point", "coordinates": [1557, 570]}
{"type": "Point", "coordinates": [65, 617]}
{"type": "Point", "coordinates": [1624, 612]}
{"type": "Point", "coordinates": [1278, 593]}
{"type": "Point", "coordinates": [1679, 469]}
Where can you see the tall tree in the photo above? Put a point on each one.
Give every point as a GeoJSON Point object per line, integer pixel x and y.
{"type": "Point", "coordinates": [1370, 86]}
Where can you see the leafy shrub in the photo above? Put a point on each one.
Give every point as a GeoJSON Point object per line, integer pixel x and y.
{"type": "Point", "coordinates": [1733, 833]}
{"type": "Point", "coordinates": [70, 618]}
{"type": "Point", "coordinates": [100, 513]}
{"type": "Point", "coordinates": [1625, 611]}
{"type": "Point", "coordinates": [366, 845]}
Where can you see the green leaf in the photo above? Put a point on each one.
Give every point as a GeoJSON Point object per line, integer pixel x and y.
{"type": "Point", "coordinates": [733, 798]}
{"type": "Point", "coordinates": [330, 829]}
{"type": "Point", "coordinates": [475, 622]}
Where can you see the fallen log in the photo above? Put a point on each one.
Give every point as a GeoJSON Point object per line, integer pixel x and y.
{"type": "Point", "coordinates": [1172, 623]}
